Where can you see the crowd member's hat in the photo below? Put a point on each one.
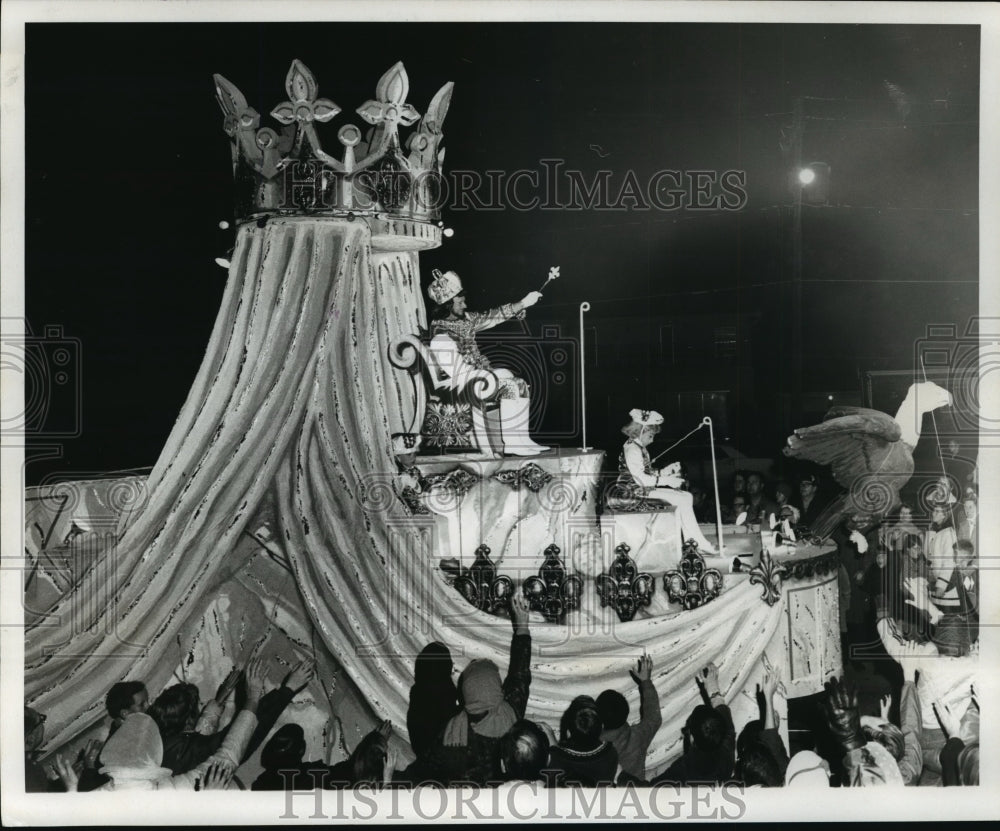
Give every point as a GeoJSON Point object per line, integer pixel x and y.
{"type": "Point", "coordinates": [811, 479]}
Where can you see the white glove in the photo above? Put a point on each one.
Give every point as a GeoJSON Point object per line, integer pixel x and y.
{"type": "Point", "coordinates": [531, 298]}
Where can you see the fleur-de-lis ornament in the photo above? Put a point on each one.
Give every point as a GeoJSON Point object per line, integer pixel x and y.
{"type": "Point", "coordinates": [624, 586]}
{"type": "Point", "coordinates": [770, 575]}
{"type": "Point", "coordinates": [693, 585]}
{"type": "Point", "coordinates": [482, 586]}
{"type": "Point", "coordinates": [552, 592]}
{"type": "Point", "coordinates": [553, 275]}
{"type": "Point", "coordinates": [303, 105]}
{"type": "Point", "coordinates": [389, 106]}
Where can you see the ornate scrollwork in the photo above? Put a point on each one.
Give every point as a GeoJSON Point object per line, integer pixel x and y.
{"type": "Point", "coordinates": [482, 586]}
{"type": "Point", "coordinates": [693, 585]}
{"type": "Point", "coordinates": [552, 592]}
{"type": "Point", "coordinates": [768, 574]}
{"type": "Point", "coordinates": [813, 567]}
{"type": "Point", "coordinates": [623, 586]}
{"type": "Point", "coordinates": [530, 475]}
{"type": "Point", "coordinates": [458, 481]}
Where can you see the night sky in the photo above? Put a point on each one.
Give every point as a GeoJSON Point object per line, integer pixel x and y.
{"type": "Point", "coordinates": [128, 176]}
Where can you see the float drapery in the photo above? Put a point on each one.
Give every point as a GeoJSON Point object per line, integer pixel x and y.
{"type": "Point", "coordinates": [295, 400]}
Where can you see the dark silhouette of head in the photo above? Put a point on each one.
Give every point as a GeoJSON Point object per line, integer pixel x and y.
{"type": "Point", "coordinates": [748, 736]}
{"type": "Point", "coordinates": [433, 666]}
{"type": "Point", "coordinates": [580, 727]}
{"type": "Point", "coordinates": [758, 767]}
{"type": "Point", "coordinates": [524, 752]}
{"type": "Point", "coordinates": [706, 728]}
{"type": "Point", "coordinates": [613, 708]}
{"type": "Point", "coordinates": [284, 749]}
{"type": "Point", "coordinates": [176, 709]}
{"type": "Point", "coordinates": [126, 697]}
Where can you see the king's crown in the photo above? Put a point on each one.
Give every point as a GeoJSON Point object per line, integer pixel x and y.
{"type": "Point", "coordinates": [288, 173]}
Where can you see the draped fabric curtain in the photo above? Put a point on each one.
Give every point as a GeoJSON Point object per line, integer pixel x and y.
{"type": "Point", "coordinates": [295, 402]}
{"type": "Point", "coordinates": [290, 284]}
{"type": "Point", "coordinates": [401, 312]}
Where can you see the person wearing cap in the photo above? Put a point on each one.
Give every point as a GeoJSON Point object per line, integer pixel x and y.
{"type": "Point", "coordinates": [812, 506]}
{"type": "Point", "coordinates": [451, 321]}
{"type": "Point", "coordinates": [638, 479]}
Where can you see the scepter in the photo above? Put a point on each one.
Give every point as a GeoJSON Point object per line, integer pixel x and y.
{"type": "Point", "coordinates": [553, 275]}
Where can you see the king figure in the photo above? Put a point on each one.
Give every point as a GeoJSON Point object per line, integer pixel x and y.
{"type": "Point", "coordinates": [454, 330]}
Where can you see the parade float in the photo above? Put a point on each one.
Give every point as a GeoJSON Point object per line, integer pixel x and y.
{"type": "Point", "coordinates": [331, 490]}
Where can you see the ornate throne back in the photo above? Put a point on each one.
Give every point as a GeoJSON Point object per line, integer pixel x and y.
{"type": "Point", "coordinates": [451, 399]}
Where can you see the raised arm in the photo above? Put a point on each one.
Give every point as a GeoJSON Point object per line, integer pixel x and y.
{"type": "Point", "coordinates": [518, 681]}
{"type": "Point", "coordinates": [239, 733]}
{"type": "Point", "coordinates": [650, 717]}
{"type": "Point", "coordinates": [493, 317]}
{"type": "Point", "coordinates": [912, 763]}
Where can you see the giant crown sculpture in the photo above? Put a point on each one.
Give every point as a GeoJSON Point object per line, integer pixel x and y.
{"type": "Point", "coordinates": [288, 173]}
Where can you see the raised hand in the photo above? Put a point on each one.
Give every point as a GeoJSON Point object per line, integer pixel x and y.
{"type": "Point", "coordinates": [950, 722]}
{"type": "Point", "coordinates": [301, 674]}
{"type": "Point", "coordinates": [256, 681]}
{"type": "Point", "coordinates": [643, 670]}
{"type": "Point", "coordinates": [772, 679]}
{"type": "Point", "coordinates": [519, 612]}
{"type": "Point", "coordinates": [391, 757]}
{"type": "Point", "coordinates": [228, 685]}
{"type": "Point", "coordinates": [65, 770]}
{"type": "Point", "coordinates": [709, 677]}
{"type": "Point", "coordinates": [87, 757]}
{"type": "Point", "coordinates": [885, 705]}
{"type": "Point", "coordinates": [530, 299]}
{"type": "Point", "coordinates": [841, 709]}
{"type": "Point", "coordinates": [217, 777]}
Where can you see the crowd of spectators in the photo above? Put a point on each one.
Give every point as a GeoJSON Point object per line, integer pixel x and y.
{"type": "Point", "coordinates": [909, 596]}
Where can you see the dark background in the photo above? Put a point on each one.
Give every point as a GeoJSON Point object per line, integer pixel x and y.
{"type": "Point", "coordinates": [128, 176]}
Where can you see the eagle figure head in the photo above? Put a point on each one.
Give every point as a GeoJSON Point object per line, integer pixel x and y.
{"type": "Point", "coordinates": [929, 396]}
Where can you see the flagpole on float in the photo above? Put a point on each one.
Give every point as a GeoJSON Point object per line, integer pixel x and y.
{"type": "Point", "coordinates": [715, 480]}
{"type": "Point", "coordinates": [584, 307]}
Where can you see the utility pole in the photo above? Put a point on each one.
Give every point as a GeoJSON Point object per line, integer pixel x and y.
{"type": "Point", "coordinates": [797, 136]}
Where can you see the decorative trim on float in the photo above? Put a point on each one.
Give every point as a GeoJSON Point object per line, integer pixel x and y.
{"type": "Point", "coordinates": [769, 574]}
{"type": "Point", "coordinates": [818, 566]}
{"type": "Point", "coordinates": [482, 586]}
{"type": "Point", "coordinates": [530, 475]}
{"type": "Point", "coordinates": [693, 585]}
{"type": "Point", "coordinates": [623, 586]}
{"type": "Point", "coordinates": [552, 592]}
{"type": "Point", "coordinates": [459, 481]}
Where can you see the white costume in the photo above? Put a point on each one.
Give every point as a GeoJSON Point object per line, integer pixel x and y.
{"type": "Point", "coordinates": [637, 477]}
